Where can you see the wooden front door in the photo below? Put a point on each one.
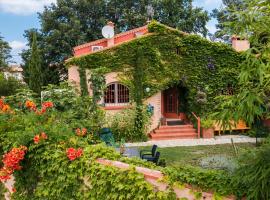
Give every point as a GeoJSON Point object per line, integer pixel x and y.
{"type": "Point", "coordinates": [171, 103]}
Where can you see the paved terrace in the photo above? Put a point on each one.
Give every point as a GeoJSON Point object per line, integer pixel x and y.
{"type": "Point", "coordinates": [196, 142]}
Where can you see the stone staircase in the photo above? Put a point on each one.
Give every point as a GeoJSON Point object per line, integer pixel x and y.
{"type": "Point", "coordinates": [170, 132]}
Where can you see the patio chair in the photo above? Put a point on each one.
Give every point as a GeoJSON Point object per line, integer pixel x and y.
{"type": "Point", "coordinates": [147, 153]}
{"type": "Point", "coordinates": [153, 159]}
{"type": "Point", "coordinates": [107, 136]}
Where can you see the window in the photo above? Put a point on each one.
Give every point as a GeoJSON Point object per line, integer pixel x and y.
{"type": "Point", "coordinates": [116, 93]}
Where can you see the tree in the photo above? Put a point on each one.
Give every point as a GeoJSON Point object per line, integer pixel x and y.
{"type": "Point", "coordinates": [70, 23]}
{"type": "Point", "coordinates": [251, 103]}
{"type": "Point", "coordinates": [225, 14]}
{"type": "Point", "coordinates": [35, 67]}
{"type": "Point", "coordinates": [4, 52]}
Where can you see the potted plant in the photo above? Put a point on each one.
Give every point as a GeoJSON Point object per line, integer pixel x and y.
{"type": "Point", "coordinates": [207, 128]}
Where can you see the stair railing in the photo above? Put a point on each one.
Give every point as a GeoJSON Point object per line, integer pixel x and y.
{"type": "Point", "coordinates": [198, 124]}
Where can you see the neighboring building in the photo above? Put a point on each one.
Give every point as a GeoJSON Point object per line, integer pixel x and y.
{"type": "Point", "coordinates": [15, 71]}
{"type": "Point", "coordinates": [167, 101]}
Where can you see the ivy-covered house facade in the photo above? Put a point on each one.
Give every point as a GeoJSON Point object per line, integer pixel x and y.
{"type": "Point", "coordinates": [174, 73]}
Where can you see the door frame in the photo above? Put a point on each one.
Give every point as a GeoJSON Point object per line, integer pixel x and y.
{"type": "Point", "coordinates": [163, 107]}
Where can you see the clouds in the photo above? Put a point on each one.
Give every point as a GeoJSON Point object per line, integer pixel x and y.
{"type": "Point", "coordinates": [17, 47]}
{"type": "Point", "coordinates": [23, 7]}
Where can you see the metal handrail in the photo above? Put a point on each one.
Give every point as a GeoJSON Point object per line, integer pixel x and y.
{"type": "Point", "coordinates": [198, 124]}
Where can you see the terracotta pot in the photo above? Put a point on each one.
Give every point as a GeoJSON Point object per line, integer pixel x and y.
{"type": "Point", "coordinates": [208, 132]}
{"type": "Point", "coordinates": [266, 122]}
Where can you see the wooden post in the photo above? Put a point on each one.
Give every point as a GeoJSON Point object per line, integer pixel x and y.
{"type": "Point", "coordinates": [199, 127]}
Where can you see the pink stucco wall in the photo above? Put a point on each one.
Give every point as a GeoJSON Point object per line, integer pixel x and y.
{"type": "Point", "coordinates": [73, 75]}
{"type": "Point", "coordinates": [155, 101]}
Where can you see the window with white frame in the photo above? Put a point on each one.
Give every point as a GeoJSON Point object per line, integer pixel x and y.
{"type": "Point", "coordinates": [116, 94]}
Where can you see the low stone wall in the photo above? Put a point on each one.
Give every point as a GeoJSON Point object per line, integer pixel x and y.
{"type": "Point", "coordinates": [155, 178]}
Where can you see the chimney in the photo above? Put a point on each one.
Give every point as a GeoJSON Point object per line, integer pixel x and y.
{"type": "Point", "coordinates": [110, 41]}
{"type": "Point", "coordinates": [240, 44]}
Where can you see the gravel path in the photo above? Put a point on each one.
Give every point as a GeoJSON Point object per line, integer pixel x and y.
{"type": "Point", "coordinates": [196, 142]}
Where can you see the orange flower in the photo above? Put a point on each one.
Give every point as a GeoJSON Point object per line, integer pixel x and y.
{"type": "Point", "coordinates": [31, 105]}
{"type": "Point", "coordinates": [6, 108]}
{"type": "Point", "coordinates": [36, 139]}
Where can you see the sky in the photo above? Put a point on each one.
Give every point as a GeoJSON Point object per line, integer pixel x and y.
{"type": "Point", "coordinates": [16, 16]}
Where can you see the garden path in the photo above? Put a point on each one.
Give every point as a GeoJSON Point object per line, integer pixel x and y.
{"type": "Point", "coordinates": [226, 139]}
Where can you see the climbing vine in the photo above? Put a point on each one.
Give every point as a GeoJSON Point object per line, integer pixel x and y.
{"type": "Point", "coordinates": [169, 56]}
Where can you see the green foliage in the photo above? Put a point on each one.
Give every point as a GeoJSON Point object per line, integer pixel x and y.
{"type": "Point", "coordinates": [4, 52]}
{"type": "Point", "coordinates": [20, 97]}
{"type": "Point", "coordinates": [46, 166]}
{"type": "Point", "coordinates": [207, 123]}
{"type": "Point", "coordinates": [217, 181]}
{"type": "Point", "coordinates": [123, 125]}
{"type": "Point", "coordinates": [253, 175]}
{"type": "Point", "coordinates": [198, 64]}
{"type": "Point", "coordinates": [35, 68]}
{"type": "Point", "coordinates": [251, 103]}
{"type": "Point", "coordinates": [98, 85]}
{"type": "Point", "coordinates": [9, 86]}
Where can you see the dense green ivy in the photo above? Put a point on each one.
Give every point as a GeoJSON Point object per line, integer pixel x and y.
{"type": "Point", "coordinates": [170, 57]}
{"type": "Point", "coordinates": [48, 174]}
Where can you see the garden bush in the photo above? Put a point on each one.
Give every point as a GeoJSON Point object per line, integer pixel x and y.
{"type": "Point", "coordinates": [9, 86]}
{"type": "Point", "coordinates": [122, 125]}
{"type": "Point", "coordinates": [252, 178]}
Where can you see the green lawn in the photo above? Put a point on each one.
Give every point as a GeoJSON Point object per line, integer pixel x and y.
{"type": "Point", "coordinates": [193, 155]}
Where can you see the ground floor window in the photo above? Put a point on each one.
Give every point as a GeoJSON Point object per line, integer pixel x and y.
{"type": "Point", "coordinates": [116, 94]}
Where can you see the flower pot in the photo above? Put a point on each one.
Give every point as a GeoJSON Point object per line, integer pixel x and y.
{"type": "Point", "coordinates": [208, 132]}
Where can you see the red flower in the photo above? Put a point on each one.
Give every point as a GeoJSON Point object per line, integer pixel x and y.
{"type": "Point", "coordinates": [79, 152]}
{"type": "Point", "coordinates": [11, 162]}
{"type": "Point", "coordinates": [44, 136]}
{"type": "Point", "coordinates": [14, 190]}
{"type": "Point", "coordinates": [72, 153]}
{"type": "Point", "coordinates": [47, 104]}
{"type": "Point", "coordinates": [36, 139]}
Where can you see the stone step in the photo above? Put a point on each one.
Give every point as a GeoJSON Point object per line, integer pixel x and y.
{"type": "Point", "coordinates": [173, 135]}
{"type": "Point", "coordinates": [180, 130]}
{"type": "Point", "coordinates": [176, 127]}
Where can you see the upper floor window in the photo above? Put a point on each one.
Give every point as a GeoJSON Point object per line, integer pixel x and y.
{"type": "Point", "coordinates": [116, 93]}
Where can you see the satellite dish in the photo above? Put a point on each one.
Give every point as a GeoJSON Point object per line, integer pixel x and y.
{"type": "Point", "coordinates": [108, 31]}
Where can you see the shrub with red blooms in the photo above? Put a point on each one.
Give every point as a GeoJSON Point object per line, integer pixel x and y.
{"type": "Point", "coordinates": [81, 132]}
{"type": "Point", "coordinates": [11, 162]}
{"type": "Point", "coordinates": [42, 136]}
{"type": "Point", "coordinates": [73, 153]}
{"type": "Point", "coordinates": [30, 105]}
{"type": "Point", "coordinates": [44, 107]}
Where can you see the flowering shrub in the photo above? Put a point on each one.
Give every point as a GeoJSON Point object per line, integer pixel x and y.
{"type": "Point", "coordinates": [11, 161]}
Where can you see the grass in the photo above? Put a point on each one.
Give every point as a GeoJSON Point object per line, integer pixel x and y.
{"type": "Point", "coordinates": [193, 155]}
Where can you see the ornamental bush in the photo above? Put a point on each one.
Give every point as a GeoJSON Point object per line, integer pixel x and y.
{"type": "Point", "coordinates": [123, 124]}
